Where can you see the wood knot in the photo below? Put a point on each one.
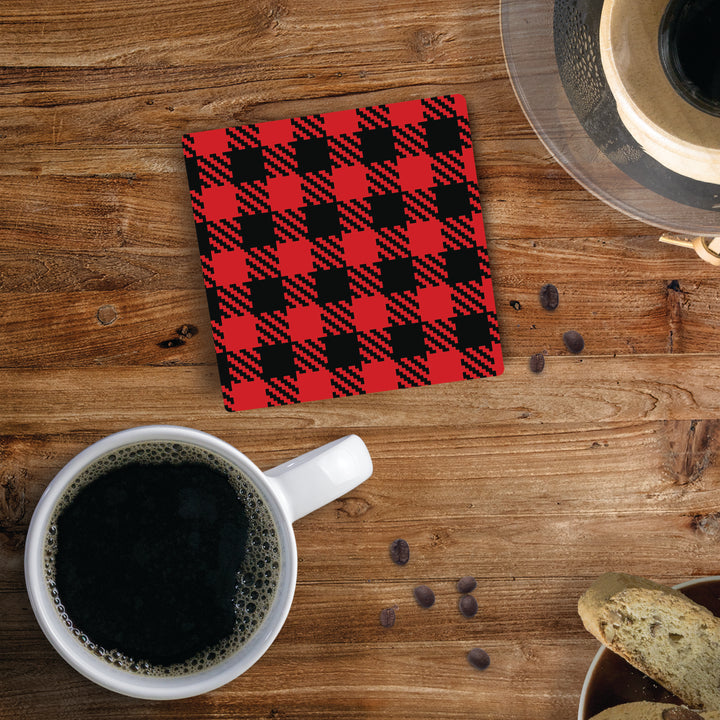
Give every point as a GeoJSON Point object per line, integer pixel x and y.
{"type": "Point", "coordinates": [426, 44]}
{"type": "Point", "coordinates": [708, 526]}
{"type": "Point", "coordinates": [692, 445]}
{"type": "Point", "coordinates": [269, 15]}
{"type": "Point", "coordinates": [438, 539]}
{"type": "Point", "coordinates": [106, 315]}
{"type": "Point", "coordinates": [352, 507]}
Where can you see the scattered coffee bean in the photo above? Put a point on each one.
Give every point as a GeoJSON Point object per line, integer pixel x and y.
{"type": "Point", "coordinates": [537, 363]}
{"type": "Point", "coordinates": [549, 296]}
{"type": "Point", "coordinates": [574, 341]}
{"type": "Point", "coordinates": [424, 595]}
{"type": "Point", "coordinates": [466, 584]}
{"type": "Point", "coordinates": [478, 658]}
{"type": "Point", "coordinates": [515, 305]}
{"type": "Point", "coordinates": [387, 617]}
{"type": "Point", "coordinates": [468, 606]}
{"type": "Point", "coordinates": [400, 551]}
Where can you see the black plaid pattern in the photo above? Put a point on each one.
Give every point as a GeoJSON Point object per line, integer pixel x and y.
{"type": "Point", "coordinates": [247, 165]}
{"type": "Point", "coordinates": [277, 360]}
{"type": "Point", "coordinates": [322, 220]}
{"type": "Point", "coordinates": [313, 155]}
{"type": "Point", "coordinates": [462, 265]}
{"type": "Point", "coordinates": [387, 210]}
{"type": "Point", "coordinates": [332, 285]}
{"type": "Point", "coordinates": [443, 135]}
{"type": "Point", "coordinates": [267, 295]}
{"type": "Point", "coordinates": [397, 275]}
{"type": "Point", "coordinates": [452, 200]}
{"type": "Point", "coordinates": [258, 230]}
{"type": "Point", "coordinates": [342, 350]}
{"type": "Point", "coordinates": [377, 145]}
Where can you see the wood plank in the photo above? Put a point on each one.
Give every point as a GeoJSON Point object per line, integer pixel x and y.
{"type": "Point", "coordinates": [557, 472]}
{"type": "Point", "coordinates": [499, 505]}
{"type": "Point", "coordinates": [208, 32]}
{"type": "Point", "coordinates": [571, 389]}
{"type": "Point", "coordinates": [122, 197]}
{"type": "Point", "coordinates": [429, 680]}
{"type": "Point", "coordinates": [94, 214]}
{"type": "Point", "coordinates": [545, 548]}
{"type": "Point", "coordinates": [110, 204]}
{"type": "Point", "coordinates": [418, 665]}
{"type": "Point", "coordinates": [121, 107]}
{"type": "Point", "coordinates": [108, 328]}
{"type": "Point", "coordinates": [666, 302]}
{"type": "Point", "coordinates": [92, 325]}
{"type": "Point", "coordinates": [542, 546]}
{"type": "Point", "coordinates": [494, 156]}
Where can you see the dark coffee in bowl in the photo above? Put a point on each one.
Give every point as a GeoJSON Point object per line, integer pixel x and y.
{"type": "Point", "coordinates": [162, 558]}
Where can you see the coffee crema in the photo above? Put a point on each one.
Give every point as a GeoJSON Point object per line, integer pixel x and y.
{"type": "Point", "coordinates": [162, 558]}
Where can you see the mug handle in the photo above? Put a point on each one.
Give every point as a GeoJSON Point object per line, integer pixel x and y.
{"type": "Point", "coordinates": [320, 476]}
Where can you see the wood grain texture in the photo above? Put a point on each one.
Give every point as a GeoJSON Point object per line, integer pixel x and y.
{"type": "Point", "coordinates": [533, 483]}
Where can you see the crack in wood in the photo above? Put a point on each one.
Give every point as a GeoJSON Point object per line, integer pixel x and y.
{"type": "Point", "coordinates": [673, 310]}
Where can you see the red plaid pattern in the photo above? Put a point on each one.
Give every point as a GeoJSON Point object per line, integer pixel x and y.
{"type": "Point", "coordinates": [344, 253]}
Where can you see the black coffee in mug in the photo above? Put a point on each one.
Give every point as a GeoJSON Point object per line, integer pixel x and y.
{"type": "Point", "coordinates": [688, 42]}
{"type": "Point", "coordinates": [162, 558]}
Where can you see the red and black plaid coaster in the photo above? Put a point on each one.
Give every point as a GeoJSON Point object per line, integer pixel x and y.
{"type": "Point", "coordinates": [344, 253]}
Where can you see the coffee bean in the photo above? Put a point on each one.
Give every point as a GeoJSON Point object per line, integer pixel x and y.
{"type": "Point", "coordinates": [478, 658]}
{"type": "Point", "coordinates": [424, 595]}
{"type": "Point", "coordinates": [537, 363]}
{"type": "Point", "coordinates": [549, 296]}
{"type": "Point", "coordinates": [574, 341]}
{"type": "Point", "coordinates": [466, 584]}
{"type": "Point", "coordinates": [387, 617]}
{"type": "Point", "coordinates": [515, 305]}
{"type": "Point", "coordinates": [400, 551]}
{"type": "Point", "coordinates": [468, 606]}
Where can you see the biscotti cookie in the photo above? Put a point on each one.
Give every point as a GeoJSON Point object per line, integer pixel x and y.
{"type": "Point", "coordinates": [661, 632]}
{"type": "Point", "coordinates": [653, 711]}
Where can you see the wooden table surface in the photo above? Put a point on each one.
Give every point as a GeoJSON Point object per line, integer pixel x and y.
{"type": "Point", "coordinates": [533, 483]}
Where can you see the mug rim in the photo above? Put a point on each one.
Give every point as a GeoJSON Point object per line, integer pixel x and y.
{"type": "Point", "coordinates": [99, 670]}
{"type": "Point", "coordinates": [602, 650]}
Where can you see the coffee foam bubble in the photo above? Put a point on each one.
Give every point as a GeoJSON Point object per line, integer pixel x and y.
{"type": "Point", "coordinates": [257, 579]}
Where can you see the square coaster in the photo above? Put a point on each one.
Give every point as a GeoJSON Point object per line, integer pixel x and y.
{"type": "Point", "coordinates": [344, 253]}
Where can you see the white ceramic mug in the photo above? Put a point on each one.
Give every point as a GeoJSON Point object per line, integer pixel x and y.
{"type": "Point", "coordinates": [290, 491]}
